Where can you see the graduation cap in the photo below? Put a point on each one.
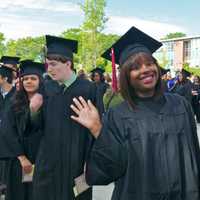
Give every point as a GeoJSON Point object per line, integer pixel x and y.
{"type": "Point", "coordinates": [61, 46]}
{"type": "Point", "coordinates": [164, 71]}
{"type": "Point", "coordinates": [6, 71]}
{"type": "Point", "coordinates": [186, 73]}
{"type": "Point", "coordinates": [133, 41]}
{"type": "Point", "coordinates": [28, 67]}
{"type": "Point", "coordinates": [10, 60]}
{"type": "Point", "coordinates": [97, 70]}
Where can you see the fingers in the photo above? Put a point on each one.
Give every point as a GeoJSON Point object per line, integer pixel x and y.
{"type": "Point", "coordinates": [83, 102]}
{"type": "Point", "coordinates": [91, 106]}
{"type": "Point", "coordinates": [76, 110]}
{"type": "Point", "coordinates": [75, 118]}
{"type": "Point", "coordinates": [77, 103]}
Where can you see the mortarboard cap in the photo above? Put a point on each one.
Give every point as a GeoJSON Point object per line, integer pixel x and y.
{"type": "Point", "coordinates": [186, 73]}
{"type": "Point", "coordinates": [28, 67]}
{"type": "Point", "coordinates": [133, 41]}
{"type": "Point", "coordinates": [6, 71]}
{"type": "Point", "coordinates": [61, 46]}
{"type": "Point", "coordinates": [98, 70]}
{"type": "Point", "coordinates": [10, 60]}
{"type": "Point", "coordinates": [164, 71]}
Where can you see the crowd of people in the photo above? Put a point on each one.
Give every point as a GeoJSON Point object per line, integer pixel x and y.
{"type": "Point", "coordinates": [62, 132]}
{"type": "Point", "coordinates": [187, 85]}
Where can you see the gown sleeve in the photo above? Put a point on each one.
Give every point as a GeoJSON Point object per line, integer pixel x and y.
{"type": "Point", "coordinates": [107, 160]}
{"type": "Point", "coordinates": [195, 139]}
{"type": "Point", "coordinates": [10, 146]}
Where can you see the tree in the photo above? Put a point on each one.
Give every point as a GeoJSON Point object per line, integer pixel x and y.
{"type": "Point", "coordinates": [26, 48]}
{"type": "Point", "coordinates": [174, 35]}
{"type": "Point", "coordinates": [106, 40]}
{"type": "Point", "coordinates": [2, 45]}
{"type": "Point", "coordinates": [92, 26]}
{"type": "Point", "coordinates": [162, 58]}
{"type": "Point", "coordinates": [74, 34]}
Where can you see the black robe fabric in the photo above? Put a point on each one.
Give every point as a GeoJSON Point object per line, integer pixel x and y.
{"type": "Point", "coordinates": [64, 147]}
{"type": "Point", "coordinates": [20, 135]}
{"type": "Point", "coordinates": [196, 101]}
{"type": "Point", "coordinates": [151, 155]}
{"type": "Point", "coordinates": [101, 88]}
{"type": "Point", "coordinates": [184, 89]}
{"type": "Point", "coordinates": [4, 103]}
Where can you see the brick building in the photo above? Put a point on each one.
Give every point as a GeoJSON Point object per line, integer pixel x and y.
{"type": "Point", "coordinates": [176, 52]}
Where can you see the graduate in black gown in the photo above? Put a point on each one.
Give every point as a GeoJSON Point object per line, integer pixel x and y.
{"type": "Point", "coordinates": [64, 147]}
{"type": "Point", "coordinates": [6, 92]}
{"type": "Point", "coordinates": [6, 88]}
{"type": "Point", "coordinates": [11, 62]}
{"type": "Point", "coordinates": [97, 77]}
{"type": "Point", "coordinates": [148, 144]}
{"type": "Point", "coordinates": [183, 85]}
{"type": "Point", "coordinates": [196, 97]}
{"type": "Point", "coordinates": [21, 130]}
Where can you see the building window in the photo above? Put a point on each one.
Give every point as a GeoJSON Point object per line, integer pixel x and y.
{"type": "Point", "coordinates": [187, 51]}
{"type": "Point", "coordinates": [170, 46]}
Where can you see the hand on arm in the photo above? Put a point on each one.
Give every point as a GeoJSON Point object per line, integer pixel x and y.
{"type": "Point", "coordinates": [36, 102]}
{"type": "Point", "coordinates": [25, 163]}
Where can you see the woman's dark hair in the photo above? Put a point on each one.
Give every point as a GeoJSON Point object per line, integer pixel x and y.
{"type": "Point", "coordinates": [184, 79]}
{"type": "Point", "coordinates": [8, 76]}
{"type": "Point", "coordinates": [61, 59]}
{"type": "Point", "coordinates": [20, 98]}
{"type": "Point", "coordinates": [135, 61]}
{"type": "Point", "coordinates": [198, 78]}
{"type": "Point", "coordinates": [102, 78]}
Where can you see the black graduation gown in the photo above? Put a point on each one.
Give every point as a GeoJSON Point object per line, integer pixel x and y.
{"type": "Point", "coordinates": [149, 155]}
{"type": "Point", "coordinates": [164, 85]}
{"type": "Point", "coordinates": [64, 147]}
{"type": "Point", "coordinates": [195, 102]}
{"type": "Point", "coordinates": [184, 90]}
{"type": "Point", "coordinates": [4, 103]}
{"type": "Point", "coordinates": [51, 87]}
{"type": "Point", "coordinates": [101, 88]}
{"type": "Point", "coordinates": [20, 135]}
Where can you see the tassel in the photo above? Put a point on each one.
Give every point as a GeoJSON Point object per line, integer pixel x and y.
{"type": "Point", "coordinates": [114, 73]}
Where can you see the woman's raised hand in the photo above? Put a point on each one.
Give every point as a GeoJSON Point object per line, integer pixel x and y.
{"type": "Point", "coordinates": [87, 115]}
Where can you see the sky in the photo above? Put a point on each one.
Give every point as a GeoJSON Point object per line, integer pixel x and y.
{"type": "Point", "coordinates": [22, 18]}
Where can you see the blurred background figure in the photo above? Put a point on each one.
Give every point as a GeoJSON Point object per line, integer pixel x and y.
{"type": "Point", "coordinates": [82, 74]}
{"type": "Point", "coordinates": [108, 78]}
{"type": "Point", "coordinates": [97, 76]}
{"type": "Point", "coordinates": [183, 85]}
{"type": "Point", "coordinates": [196, 97]}
{"type": "Point", "coordinates": [11, 62]}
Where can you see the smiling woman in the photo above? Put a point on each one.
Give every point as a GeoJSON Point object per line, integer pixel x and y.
{"type": "Point", "coordinates": [147, 144]}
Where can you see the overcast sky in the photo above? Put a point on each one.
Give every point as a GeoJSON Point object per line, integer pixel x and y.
{"type": "Point", "coordinates": [20, 18]}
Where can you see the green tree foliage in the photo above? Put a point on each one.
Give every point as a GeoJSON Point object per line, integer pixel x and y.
{"type": "Point", "coordinates": [26, 48]}
{"type": "Point", "coordinates": [92, 41]}
{"type": "Point", "coordinates": [174, 35]}
{"type": "Point", "coordinates": [106, 41]}
{"type": "Point", "coordinates": [162, 59]}
{"type": "Point", "coordinates": [194, 70]}
{"type": "Point", "coordinates": [92, 27]}
{"type": "Point", "coordinates": [2, 44]}
{"type": "Point", "coordinates": [74, 34]}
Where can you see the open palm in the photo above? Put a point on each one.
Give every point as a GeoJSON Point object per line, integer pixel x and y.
{"type": "Point", "coordinates": [87, 114]}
